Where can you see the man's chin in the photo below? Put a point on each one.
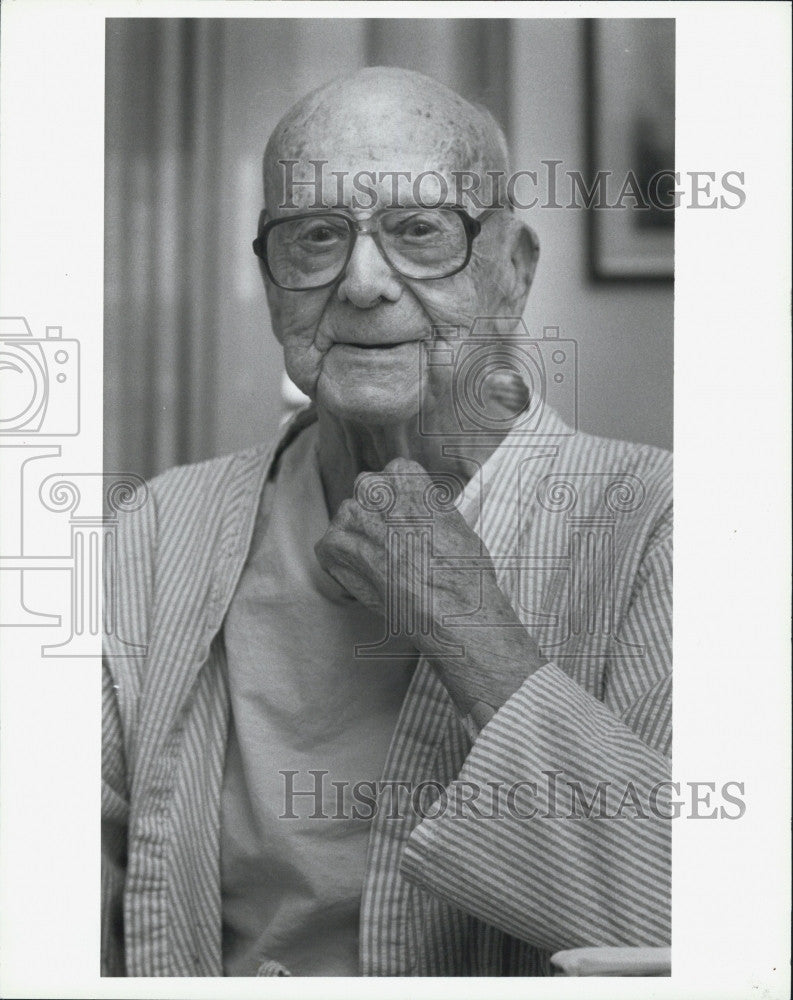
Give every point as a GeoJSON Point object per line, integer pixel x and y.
{"type": "Point", "coordinates": [367, 405]}
{"type": "Point", "coordinates": [371, 387]}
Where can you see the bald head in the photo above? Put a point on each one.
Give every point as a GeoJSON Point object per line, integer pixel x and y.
{"type": "Point", "coordinates": [384, 118]}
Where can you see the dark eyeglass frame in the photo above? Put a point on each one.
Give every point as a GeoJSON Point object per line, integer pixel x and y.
{"type": "Point", "coordinates": [473, 227]}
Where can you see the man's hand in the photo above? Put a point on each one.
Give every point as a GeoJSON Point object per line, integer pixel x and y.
{"type": "Point", "coordinates": [403, 550]}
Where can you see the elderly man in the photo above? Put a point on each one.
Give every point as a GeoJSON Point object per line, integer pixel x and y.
{"type": "Point", "coordinates": [404, 702]}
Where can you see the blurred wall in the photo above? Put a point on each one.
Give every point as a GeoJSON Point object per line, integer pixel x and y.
{"type": "Point", "coordinates": [192, 368]}
{"type": "Point", "coordinates": [624, 330]}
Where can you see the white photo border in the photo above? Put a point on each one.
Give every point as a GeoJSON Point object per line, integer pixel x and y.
{"type": "Point", "coordinates": [732, 355]}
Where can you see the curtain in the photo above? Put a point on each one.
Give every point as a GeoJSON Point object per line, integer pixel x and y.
{"type": "Point", "coordinates": [161, 281]}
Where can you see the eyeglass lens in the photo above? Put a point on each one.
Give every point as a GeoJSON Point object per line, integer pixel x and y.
{"type": "Point", "coordinates": [423, 243]}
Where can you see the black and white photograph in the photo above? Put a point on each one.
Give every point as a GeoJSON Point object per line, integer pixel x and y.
{"type": "Point", "coordinates": [428, 727]}
{"type": "Point", "coordinates": [352, 516]}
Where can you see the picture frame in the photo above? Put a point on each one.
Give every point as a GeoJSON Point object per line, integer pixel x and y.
{"type": "Point", "coordinates": [630, 132]}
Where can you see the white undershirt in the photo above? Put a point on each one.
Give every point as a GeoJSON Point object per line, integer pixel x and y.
{"type": "Point", "coordinates": [300, 701]}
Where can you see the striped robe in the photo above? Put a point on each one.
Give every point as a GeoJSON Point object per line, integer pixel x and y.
{"type": "Point", "coordinates": [580, 533]}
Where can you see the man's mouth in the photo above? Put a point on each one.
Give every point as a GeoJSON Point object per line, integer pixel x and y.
{"type": "Point", "coordinates": [385, 346]}
{"type": "Point", "coordinates": [375, 347]}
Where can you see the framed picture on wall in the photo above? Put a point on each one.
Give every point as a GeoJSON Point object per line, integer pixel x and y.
{"type": "Point", "coordinates": [630, 80]}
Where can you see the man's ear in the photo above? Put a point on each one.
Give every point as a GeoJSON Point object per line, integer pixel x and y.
{"type": "Point", "coordinates": [259, 227]}
{"type": "Point", "coordinates": [524, 254]}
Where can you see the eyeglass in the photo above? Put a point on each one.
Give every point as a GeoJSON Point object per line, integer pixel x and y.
{"type": "Point", "coordinates": [312, 250]}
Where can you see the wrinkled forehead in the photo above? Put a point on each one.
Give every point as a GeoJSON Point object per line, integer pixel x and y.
{"type": "Point", "coordinates": [376, 139]}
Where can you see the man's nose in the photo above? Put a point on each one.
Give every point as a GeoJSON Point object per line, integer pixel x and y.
{"type": "Point", "coordinates": [369, 278]}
